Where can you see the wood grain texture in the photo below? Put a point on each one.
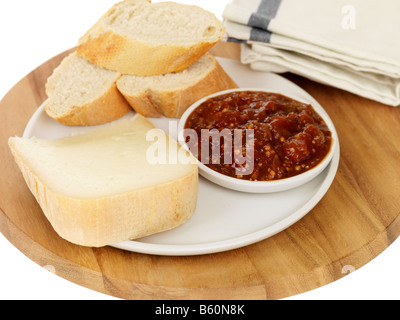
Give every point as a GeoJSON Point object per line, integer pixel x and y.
{"type": "Point", "coordinates": [356, 220]}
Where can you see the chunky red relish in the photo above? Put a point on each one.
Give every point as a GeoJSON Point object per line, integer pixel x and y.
{"type": "Point", "coordinates": [289, 137]}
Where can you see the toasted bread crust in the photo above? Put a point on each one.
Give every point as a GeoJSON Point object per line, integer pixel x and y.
{"type": "Point", "coordinates": [106, 46]}
{"type": "Point", "coordinates": [119, 53]}
{"type": "Point", "coordinates": [173, 103]}
{"type": "Point", "coordinates": [143, 104]}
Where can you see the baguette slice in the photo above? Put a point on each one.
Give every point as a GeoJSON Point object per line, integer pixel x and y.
{"type": "Point", "coordinates": [171, 94]}
{"type": "Point", "coordinates": [82, 94]}
{"type": "Point", "coordinates": [141, 38]}
{"type": "Point", "coordinates": [99, 188]}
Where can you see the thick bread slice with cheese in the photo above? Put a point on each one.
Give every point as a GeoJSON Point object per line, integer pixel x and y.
{"type": "Point", "coordinates": [82, 94]}
{"type": "Point", "coordinates": [171, 94]}
{"type": "Point", "coordinates": [142, 38]}
{"type": "Point", "coordinates": [104, 186]}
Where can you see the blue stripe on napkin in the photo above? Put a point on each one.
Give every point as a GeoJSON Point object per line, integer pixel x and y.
{"type": "Point", "coordinates": [260, 20]}
{"type": "Point", "coordinates": [260, 35]}
{"type": "Point", "coordinates": [231, 39]}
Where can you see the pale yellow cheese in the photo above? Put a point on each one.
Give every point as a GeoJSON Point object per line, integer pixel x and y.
{"type": "Point", "coordinates": [104, 186]}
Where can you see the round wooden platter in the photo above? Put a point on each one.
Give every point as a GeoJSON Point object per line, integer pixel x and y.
{"type": "Point", "coordinates": [355, 221]}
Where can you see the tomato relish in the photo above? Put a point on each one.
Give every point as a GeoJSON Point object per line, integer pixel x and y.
{"type": "Point", "coordinates": [288, 138]}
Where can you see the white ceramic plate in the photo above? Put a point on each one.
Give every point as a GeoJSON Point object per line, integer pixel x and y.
{"type": "Point", "coordinates": [224, 219]}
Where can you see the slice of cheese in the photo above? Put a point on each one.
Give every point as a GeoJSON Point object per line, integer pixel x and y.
{"type": "Point", "coordinates": [104, 187]}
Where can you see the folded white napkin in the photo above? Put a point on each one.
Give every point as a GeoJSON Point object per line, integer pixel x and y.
{"type": "Point", "coordinates": [357, 50]}
{"type": "Point", "coordinates": [373, 86]}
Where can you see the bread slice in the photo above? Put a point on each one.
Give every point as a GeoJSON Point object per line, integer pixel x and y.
{"type": "Point", "coordinates": [171, 94]}
{"type": "Point", "coordinates": [82, 94]}
{"type": "Point", "coordinates": [101, 187]}
{"type": "Point", "coordinates": [142, 38]}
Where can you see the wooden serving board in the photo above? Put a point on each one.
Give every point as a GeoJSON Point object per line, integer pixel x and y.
{"type": "Point", "coordinates": [355, 221]}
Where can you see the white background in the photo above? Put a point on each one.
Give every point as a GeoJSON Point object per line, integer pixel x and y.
{"type": "Point", "coordinates": [33, 32]}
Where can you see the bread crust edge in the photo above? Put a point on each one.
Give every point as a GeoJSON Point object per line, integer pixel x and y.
{"type": "Point", "coordinates": [173, 103]}
{"type": "Point", "coordinates": [119, 53]}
